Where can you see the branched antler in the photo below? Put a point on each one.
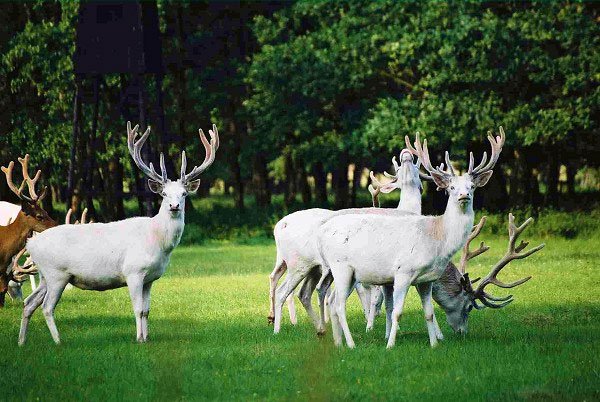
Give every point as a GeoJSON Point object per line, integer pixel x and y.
{"type": "Point", "coordinates": [20, 273]}
{"type": "Point", "coordinates": [27, 180]}
{"type": "Point", "coordinates": [466, 253]}
{"type": "Point", "coordinates": [514, 252]}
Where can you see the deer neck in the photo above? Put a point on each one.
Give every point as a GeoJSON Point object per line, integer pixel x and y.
{"type": "Point", "coordinates": [14, 237]}
{"type": "Point", "coordinates": [410, 200]}
{"type": "Point", "coordinates": [457, 223]}
{"type": "Point", "coordinates": [168, 228]}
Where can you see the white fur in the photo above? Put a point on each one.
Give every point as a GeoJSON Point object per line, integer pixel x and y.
{"type": "Point", "coordinates": [99, 256]}
{"type": "Point", "coordinates": [403, 250]}
{"type": "Point", "coordinates": [8, 212]}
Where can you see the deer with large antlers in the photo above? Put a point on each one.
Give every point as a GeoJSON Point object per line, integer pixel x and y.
{"type": "Point", "coordinates": [31, 218]}
{"type": "Point", "coordinates": [404, 250]}
{"type": "Point", "coordinates": [454, 291]}
{"type": "Point", "coordinates": [133, 252]}
{"type": "Point", "coordinates": [297, 251]}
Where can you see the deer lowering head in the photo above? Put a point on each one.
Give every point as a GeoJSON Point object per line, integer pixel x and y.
{"type": "Point", "coordinates": [172, 192]}
{"type": "Point", "coordinates": [460, 189]}
{"type": "Point", "coordinates": [455, 291]}
{"type": "Point", "coordinates": [31, 218]}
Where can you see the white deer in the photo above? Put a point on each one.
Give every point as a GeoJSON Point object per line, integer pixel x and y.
{"type": "Point", "coordinates": [298, 255]}
{"type": "Point", "coordinates": [403, 250]}
{"type": "Point", "coordinates": [133, 252]}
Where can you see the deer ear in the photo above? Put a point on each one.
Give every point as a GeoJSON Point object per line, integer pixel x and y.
{"type": "Point", "coordinates": [440, 180]}
{"type": "Point", "coordinates": [192, 186]}
{"type": "Point", "coordinates": [481, 179]}
{"type": "Point", "coordinates": [155, 186]}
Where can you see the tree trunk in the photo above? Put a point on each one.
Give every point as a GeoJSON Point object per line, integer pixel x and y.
{"type": "Point", "coordinates": [304, 186]}
{"type": "Point", "coordinates": [571, 172]}
{"type": "Point", "coordinates": [340, 183]}
{"type": "Point", "coordinates": [552, 178]}
{"type": "Point", "coordinates": [290, 179]}
{"type": "Point", "coordinates": [260, 180]}
{"type": "Point", "coordinates": [320, 184]}
{"type": "Point", "coordinates": [146, 195]}
{"type": "Point", "coordinates": [355, 183]}
{"type": "Point", "coordinates": [91, 154]}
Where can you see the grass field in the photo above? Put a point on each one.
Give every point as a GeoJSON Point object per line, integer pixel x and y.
{"type": "Point", "coordinates": [210, 339]}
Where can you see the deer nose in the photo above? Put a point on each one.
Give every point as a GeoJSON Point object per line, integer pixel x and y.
{"type": "Point", "coordinates": [463, 196]}
{"type": "Point", "coordinates": [174, 207]}
{"type": "Point", "coordinates": [405, 156]}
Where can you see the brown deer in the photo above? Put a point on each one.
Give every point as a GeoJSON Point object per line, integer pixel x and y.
{"type": "Point", "coordinates": [31, 218]}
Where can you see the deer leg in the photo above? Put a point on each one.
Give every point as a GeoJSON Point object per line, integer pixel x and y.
{"type": "Point", "coordinates": [291, 304]}
{"type": "Point", "coordinates": [336, 328]}
{"type": "Point", "coordinates": [388, 293]}
{"type": "Point", "coordinates": [323, 291]}
{"type": "Point", "coordinates": [343, 287]}
{"type": "Point", "coordinates": [32, 281]}
{"type": "Point", "coordinates": [53, 293]}
{"type": "Point", "coordinates": [282, 293]}
{"type": "Point", "coordinates": [424, 290]}
{"type": "Point", "coordinates": [305, 296]}
{"type": "Point", "coordinates": [31, 304]}
{"type": "Point", "coordinates": [376, 298]}
{"type": "Point", "coordinates": [401, 286]}
{"type": "Point", "coordinates": [146, 309]}
{"type": "Point", "coordinates": [280, 268]}
{"type": "Point", "coordinates": [364, 295]}
{"type": "Point", "coordinates": [136, 290]}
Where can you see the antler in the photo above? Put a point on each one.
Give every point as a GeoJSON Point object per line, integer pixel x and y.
{"type": "Point", "coordinates": [211, 151]}
{"type": "Point", "coordinates": [83, 217]}
{"type": "Point", "coordinates": [375, 188]}
{"type": "Point", "coordinates": [135, 149]}
{"type": "Point", "coordinates": [31, 182]}
{"type": "Point", "coordinates": [20, 272]}
{"type": "Point", "coordinates": [466, 253]}
{"type": "Point", "coordinates": [421, 152]}
{"type": "Point", "coordinates": [513, 253]}
{"type": "Point", "coordinates": [496, 143]}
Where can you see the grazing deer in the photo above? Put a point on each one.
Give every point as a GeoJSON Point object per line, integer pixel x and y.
{"type": "Point", "coordinates": [31, 218]}
{"type": "Point", "coordinates": [454, 290]}
{"type": "Point", "coordinates": [133, 252]}
{"type": "Point", "coordinates": [403, 250]}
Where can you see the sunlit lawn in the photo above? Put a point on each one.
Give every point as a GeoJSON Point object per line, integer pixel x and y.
{"type": "Point", "coordinates": [210, 339]}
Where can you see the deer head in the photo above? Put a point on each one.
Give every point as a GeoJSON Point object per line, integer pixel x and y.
{"type": "Point", "coordinates": [173, 192]}
{"type": "Point", "coordinates": [406, 175]}
{"type": "Point", "coordinates": [36, 218]}
{"type": "Point", "coordinates": [455, 291]}
{"type": "Point", "coordinates": [460, 189]}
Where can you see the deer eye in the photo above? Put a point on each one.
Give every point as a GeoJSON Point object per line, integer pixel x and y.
{"type": "Point", "coordinates": [39, 217]}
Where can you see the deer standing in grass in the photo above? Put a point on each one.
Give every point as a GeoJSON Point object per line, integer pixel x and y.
{"type": "Point", "coordinates": [31, 218]}
{"type": "Point", "coordinates": [133, 252]}
{"type": "Point", "coordinates": [403, 250]}
{"type": "Point", "coordinates": [298, 255]}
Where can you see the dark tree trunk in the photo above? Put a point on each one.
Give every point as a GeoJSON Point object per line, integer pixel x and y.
{"type": "Point", "coordinates": [341, 183]}
{"type": "Point", "coordinates": [71, 176]}
{"type": "Point", "coordinates": [91, 154]}
{"type": "Point", "coordinates": [571, 172]}
{"type": "Point", "coordinates": [320, 184]}
{"type": "Point", "coordinates": [115, 169]}
{"type": "Point", "coordinates": [147, 207]}
{"type": "Point", "coordinates": [260, 180]}
{"type": "Point", "coordinates": [290, 179]}
{"type": "Point", "coordinates": [236, 169]}
{"type": "Point", "coordinates": [552, 178]}
{"type": "Point", "coordinates": [304, 186]}
{"type": "Point", "coordinates": [358, 167]}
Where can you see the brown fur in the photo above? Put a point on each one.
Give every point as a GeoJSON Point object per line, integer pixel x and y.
{"type": "Point", "coordinates": [31, 218]}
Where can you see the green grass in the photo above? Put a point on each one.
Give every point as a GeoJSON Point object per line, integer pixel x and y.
{"type": "Point", "coordinates": [210, 339]}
